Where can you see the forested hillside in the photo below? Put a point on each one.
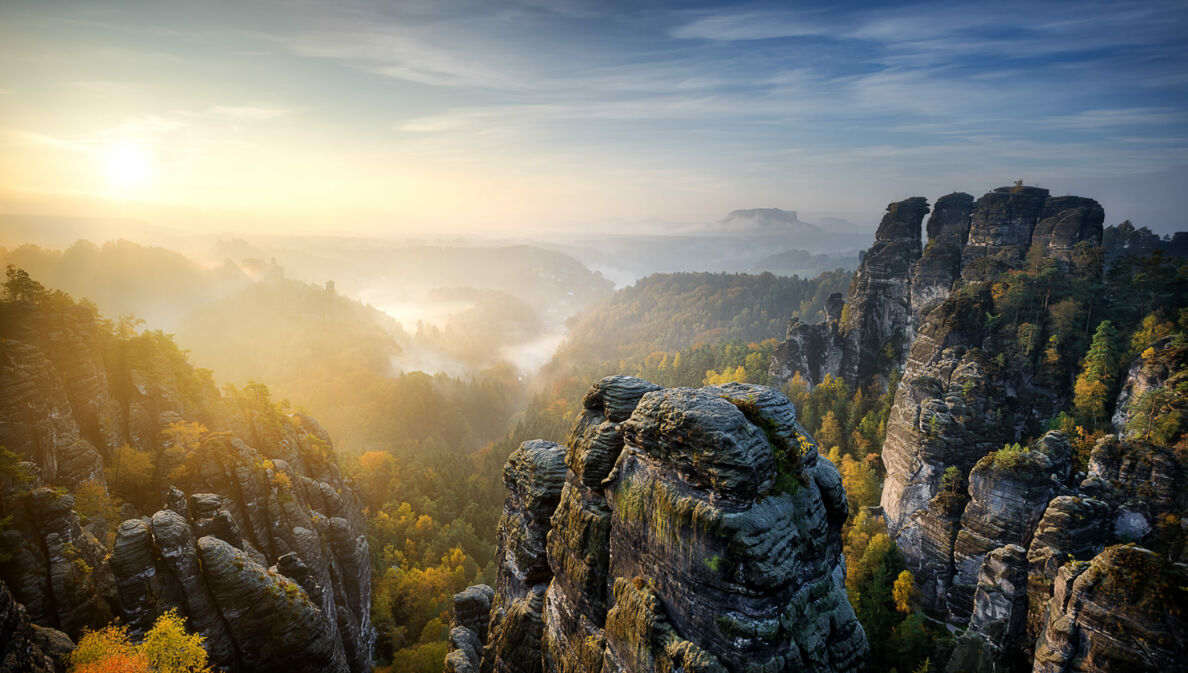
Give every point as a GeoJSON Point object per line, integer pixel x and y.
{"type": "Point", "coordinates": [667, 312]}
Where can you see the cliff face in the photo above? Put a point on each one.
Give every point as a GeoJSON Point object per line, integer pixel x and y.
{"type": "Point", "coordinates": [874, 327]}
{"type": "Point", "coordinates": [692, 529]}
{"type": "Point", "coordinates": [266, 557]}
{"type": "Point", "coordinates": [898, 284]}
{"type": "Point", "coordinates": [1013, 545]}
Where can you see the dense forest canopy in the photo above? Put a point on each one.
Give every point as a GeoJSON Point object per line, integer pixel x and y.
{"type": "Point", "coordinates": [425, 451]}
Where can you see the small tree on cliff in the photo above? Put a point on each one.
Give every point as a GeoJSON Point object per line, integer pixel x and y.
{"type": "Point", "coordinates": [1095, 383]}
{"type": "Point", "coordinates": [20, 287]}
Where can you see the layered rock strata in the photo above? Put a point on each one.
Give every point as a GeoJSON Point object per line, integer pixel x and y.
{"type": "Point", "coordinates": [267, 559]}
{"type": "Point", "coordinates": [712, 544]}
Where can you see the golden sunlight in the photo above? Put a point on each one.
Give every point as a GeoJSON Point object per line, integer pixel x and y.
{"type": "Point", "coordinates": [127, 166]}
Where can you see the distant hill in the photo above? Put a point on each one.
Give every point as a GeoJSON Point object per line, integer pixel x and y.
{"type": "Point", "coordinates": [767, 220]}
{"type": "Point", "coordinates": [668, 312]}
{"type": "Point", "coordinates": [124, 278]}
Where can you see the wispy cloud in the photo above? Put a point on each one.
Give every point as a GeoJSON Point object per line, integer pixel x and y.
{"type": "Point", "coordinates": [1110, 117]}
{"type": "Point", "coordinates": [754, 25]}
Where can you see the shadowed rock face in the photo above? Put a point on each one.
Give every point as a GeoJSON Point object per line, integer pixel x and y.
{"type": "Point", "coordinates": [26, 647]}
{"type": "Point", "coordinates": [1122, 611]}
{"type": "Point", "coordinates": [266, 492]}
{"type": "Point", "coordinates": [853, 343]}
{"type": "Point", "coordinates": [712, 545]}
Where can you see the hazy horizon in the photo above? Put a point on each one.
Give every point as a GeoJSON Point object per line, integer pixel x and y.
{"type": "Point", "coordinates": [527, 118]}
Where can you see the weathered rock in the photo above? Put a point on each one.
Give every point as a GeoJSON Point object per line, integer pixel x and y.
{"type": "Point", "coordinates": [534, 476]}
{"type": "Point", "coordinates": [465, 651]}
{"type": "Point", "coordinates": [643, 639]}
{"type": "Point", "coordinates": [1000, 229]}
{"type": "Point", "coordinates": [813, 351]}
{"type": "Point", "coordinates": [266, 484]}
{"type": "Point", "coordinates": [174, 542]}
{"type": "Point", "coordinates": [878, 315]}
{"type": "Point", "coordinates": [38, 419]}
{"type": "Point", "coordinates": [871, 334]}
{"type": "Point", "coordinates": [1072, 528]}
{"type": "Point", "coordinates": [26, 647]}
{"type": "Point", "coordinates": [939, 266]}
{"type": "Point", "coordinates": [1157, 370]}
{"type": "Point", "coordinates": [472, 610]}
{"type": "Point", "coordinates": [1122, 611]}
{"type": "Point", "coordinates": [579, 541]}
{"type": "Point", "coordinates": [1065, 222]}
{"type": "Point", "coordinates": [279, 627]}
{"type": "Point", "coordinates": [713, 545]}
{"type": "Point", "coordinates": [57, 568]}
{"type": "Point", "coordinates": [1009, 492]}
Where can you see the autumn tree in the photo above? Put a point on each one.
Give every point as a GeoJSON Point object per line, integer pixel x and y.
{"type": "Point", "coordinates": [166, 648]}
{"type": "Point", "coordinates": [904, 592]}
{"type": "Point", "coordinates": [170, 649]}
{"type": "Point", "coordinates": [1095, 384]}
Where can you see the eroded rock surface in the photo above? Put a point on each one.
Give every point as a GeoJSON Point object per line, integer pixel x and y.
{"type": "Point", "coordinates": [266, 493]}
{"type": "Point", "coordinates": [712, 545]}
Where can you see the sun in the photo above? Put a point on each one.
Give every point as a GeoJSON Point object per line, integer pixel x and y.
{"type": "Point", "coordinates": [127, 166]}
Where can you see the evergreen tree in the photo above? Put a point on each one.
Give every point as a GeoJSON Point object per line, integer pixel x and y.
{"type": "Point", "coordinates": [1099, 370]}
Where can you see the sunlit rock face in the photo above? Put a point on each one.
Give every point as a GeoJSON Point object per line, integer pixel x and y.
{"type": "Point", "coordinates": [265, 556]}
{"type": "Point", "coordinates": [1012, 546]}
{"type": "Point", "coordinates": [693, 529]}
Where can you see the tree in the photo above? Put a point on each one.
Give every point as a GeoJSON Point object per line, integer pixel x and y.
{"type": "Point", "coordinates": [107, 650]}
{"type": "Point", "coordinates": [169, 649]}
{"type": "Point", "coordinates": [166, 648]}
{"type": "Point", "coordinates": [830, 433]}
{"type": "Point", "coordinates": [131, 474]}
{"type": "Point", "coordinates": [1099, 369]}
{"type": "Point", "coordinates": [20, 287]}
{"type": "Point", "coordinates": [904, 592]}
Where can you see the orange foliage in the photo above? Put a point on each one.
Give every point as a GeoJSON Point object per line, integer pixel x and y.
{"type": "Point", "coordinates": [116, 663]}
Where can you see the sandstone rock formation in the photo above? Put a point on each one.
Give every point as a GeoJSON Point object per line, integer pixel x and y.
{"type": "Point", "coordinates": [26, 647]}
{"type": "Point", "coordinates": [1012, 545]}
{"type": "Point", "coordinates": [712, 544]}
{"type": "Point", "coordinates": [267, 559]}
{"type": "Point", "coordinates": [1122, 611]}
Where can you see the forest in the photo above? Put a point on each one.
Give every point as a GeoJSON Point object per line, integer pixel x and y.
{"type": "Point", "coordinates": [425, 452]}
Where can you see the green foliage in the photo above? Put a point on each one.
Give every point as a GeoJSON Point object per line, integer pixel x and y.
{"type": "Point", "coordinates": [20, 287]}
{"type": "Point", "coordinates": [1010, 457]}
{"type": "Point", "coordinates": [1095, 385]}
{"type": "Point", "coordinates": [671, 311]}
{"type": "Point", "coordinates": [95, 506]}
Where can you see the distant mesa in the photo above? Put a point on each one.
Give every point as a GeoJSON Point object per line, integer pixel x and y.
{"type": "Point", "coordinates": [767, 220]}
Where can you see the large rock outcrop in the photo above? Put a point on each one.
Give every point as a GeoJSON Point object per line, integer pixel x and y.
{"type": "Point", "coordinates": [1007, 543]}
{"type": "Point", "coordinates": [26, 647]}
{"type": "Point", "coordinates": [874, 327]}
{"type": "Point", "coordinates": [713, 544]}
{"type": "Point", "coordinates": [1122, 611]}
{"type": "Point", "coordinates": [268, 499]}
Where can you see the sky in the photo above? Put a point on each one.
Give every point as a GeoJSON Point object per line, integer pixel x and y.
{"type": "Point", "coordinates": [573, 116]}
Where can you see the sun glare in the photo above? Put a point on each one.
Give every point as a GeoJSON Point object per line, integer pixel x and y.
{"type": "Point", "coordinates": [127, 166]}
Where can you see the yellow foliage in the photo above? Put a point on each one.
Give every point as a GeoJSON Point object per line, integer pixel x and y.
{"type": "Point", "coordinates": [170, 649]}
{"type": "Point", "coordinates": [166, 648]}
{"type": "Point", "coordinates": [904, 591]}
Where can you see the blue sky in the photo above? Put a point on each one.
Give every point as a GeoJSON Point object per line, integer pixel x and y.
{"type": "Point", "coordinates": [436, 115]}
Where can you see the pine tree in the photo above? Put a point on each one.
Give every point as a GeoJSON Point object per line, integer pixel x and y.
{"type": "Point", "coordinates": [1099, 370]}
